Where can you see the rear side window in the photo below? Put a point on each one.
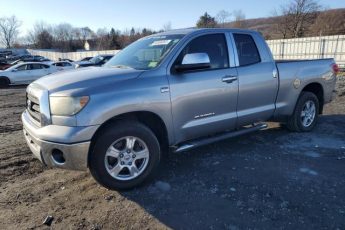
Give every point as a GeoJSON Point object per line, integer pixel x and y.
{"type": "Point", "coordinates": [214, 45]}
{"type": "Point", "coordinates": [246, 48]}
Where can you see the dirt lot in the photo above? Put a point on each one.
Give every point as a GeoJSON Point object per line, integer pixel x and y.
{"type": "Point", "coordinates": [269, 179]}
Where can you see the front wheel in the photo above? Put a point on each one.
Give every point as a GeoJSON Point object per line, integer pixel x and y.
{"type": "Point", "coordinates": [306, 113]}
{"type": "Point", "coordinates": [124, 156]}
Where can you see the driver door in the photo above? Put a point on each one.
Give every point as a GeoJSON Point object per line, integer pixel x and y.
{"type": "Point", "coordinates": [204, 101]}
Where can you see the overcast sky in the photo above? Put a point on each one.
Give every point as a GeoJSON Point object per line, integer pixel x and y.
{"type": "Point", "coordinates": [122, 14]}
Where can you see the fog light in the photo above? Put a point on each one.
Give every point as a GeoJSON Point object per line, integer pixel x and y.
{"type": "Point", "coordinates": [57, 156]}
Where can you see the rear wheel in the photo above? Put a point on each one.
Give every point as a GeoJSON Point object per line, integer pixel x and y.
{"type": "Point", "coordinates": [4, 82]}
{"type": "Point", "coordinates": [306, 113]}
{"type": "Point", "coordinates": [124, 156]}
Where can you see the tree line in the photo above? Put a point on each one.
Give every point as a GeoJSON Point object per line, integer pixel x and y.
{"type": "Point", "coordinates": [67, 38]}
{"type": "Point", "coordinates": [297, 18]}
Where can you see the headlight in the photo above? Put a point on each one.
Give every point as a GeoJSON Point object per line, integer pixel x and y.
{"type": "Point", "coordinates": [67, 106]}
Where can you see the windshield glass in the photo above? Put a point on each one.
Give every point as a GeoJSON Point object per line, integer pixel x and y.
{"type": "Point", "coordinates": [145, 53]}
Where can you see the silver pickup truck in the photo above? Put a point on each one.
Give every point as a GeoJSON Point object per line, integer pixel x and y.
{"type": "Point", "coordinates": [175, 90]}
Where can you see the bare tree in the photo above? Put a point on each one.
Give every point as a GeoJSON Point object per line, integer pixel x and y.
{"type": "Point", "coordinates": [167, 26]}
{"type": "Point", "coordinates": [223, 17]}
{"type": "Point", "coordinates": [103, 38]}
{"type": "Point", "coordinates": [282, 24]}
{"type": "Point", "coordinates": [9, 30]}
{"type": "Point", "coordinates": [239, 19]}
{"type": "Point", "coordinates": [40, 31]}
{"type": "Point", "coordinates": [298, 15]}
{"type": "Point", "coordinates": [63, 35]}
{"type": "Point", "coordinates": [86, 33]}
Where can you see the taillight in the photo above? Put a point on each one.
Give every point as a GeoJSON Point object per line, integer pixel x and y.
{"type": "Point", "coordinates": [335, 68]}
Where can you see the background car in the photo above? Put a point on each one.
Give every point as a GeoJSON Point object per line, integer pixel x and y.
{"type": "Point", "coordinates": [65, 59]}
{"type": "Point", "coordinates": [25, 73]}
{"type": "Point", "coordinates": [4, 65]}
{"type": "Point", "coordinates": [95, 61]}
{"type": "Point", "coordinates": [63, 65]}
{"type": "Point", "coordinates": [85, 59]}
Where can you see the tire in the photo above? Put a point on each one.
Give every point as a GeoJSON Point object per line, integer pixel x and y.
{"type": "Point", "coordinates": [299, 123]}
{"type": "Point", "coordinates": [105, 160]}
{"type": "Point", "coordinates": [4, 82]}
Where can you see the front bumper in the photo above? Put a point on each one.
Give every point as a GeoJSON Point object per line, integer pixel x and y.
{"type": "Point", "coordinates": [55, 154]}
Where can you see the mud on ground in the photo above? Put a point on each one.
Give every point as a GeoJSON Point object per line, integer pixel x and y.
{"type": "Point", "coordinates": [269, 179]}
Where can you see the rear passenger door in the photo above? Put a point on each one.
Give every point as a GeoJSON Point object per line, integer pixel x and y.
{"type": "Point", "coordinates": [258, 81]}
{"type": "Point", "coordinates": [35, 71]}
{"type": "Point", "coordinates": [204, 101]}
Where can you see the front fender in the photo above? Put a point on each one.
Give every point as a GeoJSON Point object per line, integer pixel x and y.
{"type": "Point", "coordinates": [136, 95]}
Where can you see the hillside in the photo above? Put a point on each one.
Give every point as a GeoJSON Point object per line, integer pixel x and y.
{"type": "Point", "coordinates": [328, 22]}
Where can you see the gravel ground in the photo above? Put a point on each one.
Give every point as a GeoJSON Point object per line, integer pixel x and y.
{"type": "Point", "coordinates": [270, 179]}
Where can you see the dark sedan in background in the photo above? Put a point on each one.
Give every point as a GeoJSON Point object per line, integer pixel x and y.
{"type": "Point", "coordinates": [95, 61]}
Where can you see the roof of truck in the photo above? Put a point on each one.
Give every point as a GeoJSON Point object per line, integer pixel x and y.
{"type": "Point", "coordinates": [193, 30]}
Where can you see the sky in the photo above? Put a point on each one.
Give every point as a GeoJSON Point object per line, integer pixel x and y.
{"type": "Point", "coordinates": [125, 14]}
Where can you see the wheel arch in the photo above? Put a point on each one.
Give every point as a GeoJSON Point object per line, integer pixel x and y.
{"type": "Point", "coordinates": [153, 121]}
{"type": "Point", "coordinates": [7, 79]}
{"type": "Point", "coordinates": [317, 89]}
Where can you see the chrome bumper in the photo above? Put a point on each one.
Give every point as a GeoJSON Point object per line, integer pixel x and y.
{"type": "Point", "coordinates": [74, 155]}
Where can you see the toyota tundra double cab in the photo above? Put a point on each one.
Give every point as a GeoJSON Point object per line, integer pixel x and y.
{"type": "Point", "coordinates": [174, 91]}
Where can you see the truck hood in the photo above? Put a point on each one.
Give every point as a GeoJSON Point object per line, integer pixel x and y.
{"type": "Point", "coordinates": [85, 80]}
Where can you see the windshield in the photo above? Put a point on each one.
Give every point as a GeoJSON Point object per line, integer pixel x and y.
{"type": "Point", "coordinates": [145, 53]}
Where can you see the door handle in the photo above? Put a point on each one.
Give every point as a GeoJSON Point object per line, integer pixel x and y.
{"type": "Point", "coordinates": [229, 79]}
{"type": "Point", "coordinates": [165, 89]}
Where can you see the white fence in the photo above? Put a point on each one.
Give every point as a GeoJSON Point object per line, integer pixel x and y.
{"type": "Point", "coordinates": [310, 48]}
{"type": "Point", "coordinates": [296, 48]}
{"type": "Point", "coordinates": [53, 55]}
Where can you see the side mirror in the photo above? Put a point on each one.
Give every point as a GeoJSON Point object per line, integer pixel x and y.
{"type": "Point", "coordinates": [194, 61]}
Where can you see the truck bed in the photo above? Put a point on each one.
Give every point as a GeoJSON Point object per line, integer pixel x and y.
{"type": "Point", "coordinates": [306, 72]}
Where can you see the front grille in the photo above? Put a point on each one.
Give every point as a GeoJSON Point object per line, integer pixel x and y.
{"type": "Point", "coordinates": [33, 107]}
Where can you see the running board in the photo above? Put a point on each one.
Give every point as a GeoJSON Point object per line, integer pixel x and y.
{"type": "Point", "coordinates": [205, 141]}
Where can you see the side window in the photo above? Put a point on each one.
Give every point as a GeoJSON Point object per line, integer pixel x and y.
{"type": "Point", "coordinates": [67, 64]}
{"type": "Point", "coordinates": [45, 66]}
{"type": "Point", "coordinates": [22, 67]}
{"type": "Point", "coordinates": [214, 45]}
{"type": "Point", "coordinates": [36, 66]}
{"type": "Point", "coordinates": [246, 48]}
